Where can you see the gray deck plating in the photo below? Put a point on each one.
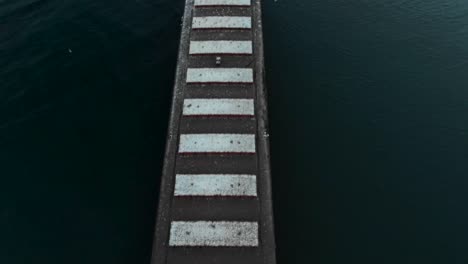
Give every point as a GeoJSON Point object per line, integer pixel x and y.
{"type": "Point", "coordinates": [215, 201]}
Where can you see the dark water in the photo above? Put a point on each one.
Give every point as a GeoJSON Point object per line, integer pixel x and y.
{"type": "Point", "coordinates": [369, 120]}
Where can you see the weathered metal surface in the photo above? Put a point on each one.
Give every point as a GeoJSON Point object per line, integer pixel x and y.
{"type": "Point", "coordinates": [215, 201]}
{"type": "Point", "coordinates": [218, 124]}
{"type": "Point", "coordinates": [215, 208]}
{"type": "Point", "coordinates": [217, 164]}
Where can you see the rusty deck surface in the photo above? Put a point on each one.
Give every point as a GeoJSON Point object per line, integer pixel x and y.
{"type": "Point", "coordinates": [215, 202]}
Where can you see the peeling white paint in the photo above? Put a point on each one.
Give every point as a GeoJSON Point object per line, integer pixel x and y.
{"type": "Point", "coordinates": [221, 47]}
{"type": "Point", "coordinates": [214, 234]}
{"type": "Point", "coordinates": [222, 22]}
{"type": "Point", "coordinates": [215, 185]}
{"type": "Point", "coordinates": [219, 75]}
{"type": "Point", "coordinates": [217, 143]}
{"type": "Point", "coordinates": [194, 107]}
{"type": "Point", "coordinates": [222, 2]}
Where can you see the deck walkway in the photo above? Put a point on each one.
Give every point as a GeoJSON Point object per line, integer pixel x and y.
{"type": "Point", "coordinates": [215, 203]}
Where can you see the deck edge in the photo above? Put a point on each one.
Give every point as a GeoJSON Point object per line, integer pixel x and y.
{"type": "Point", "coordinates": [159, 252]}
